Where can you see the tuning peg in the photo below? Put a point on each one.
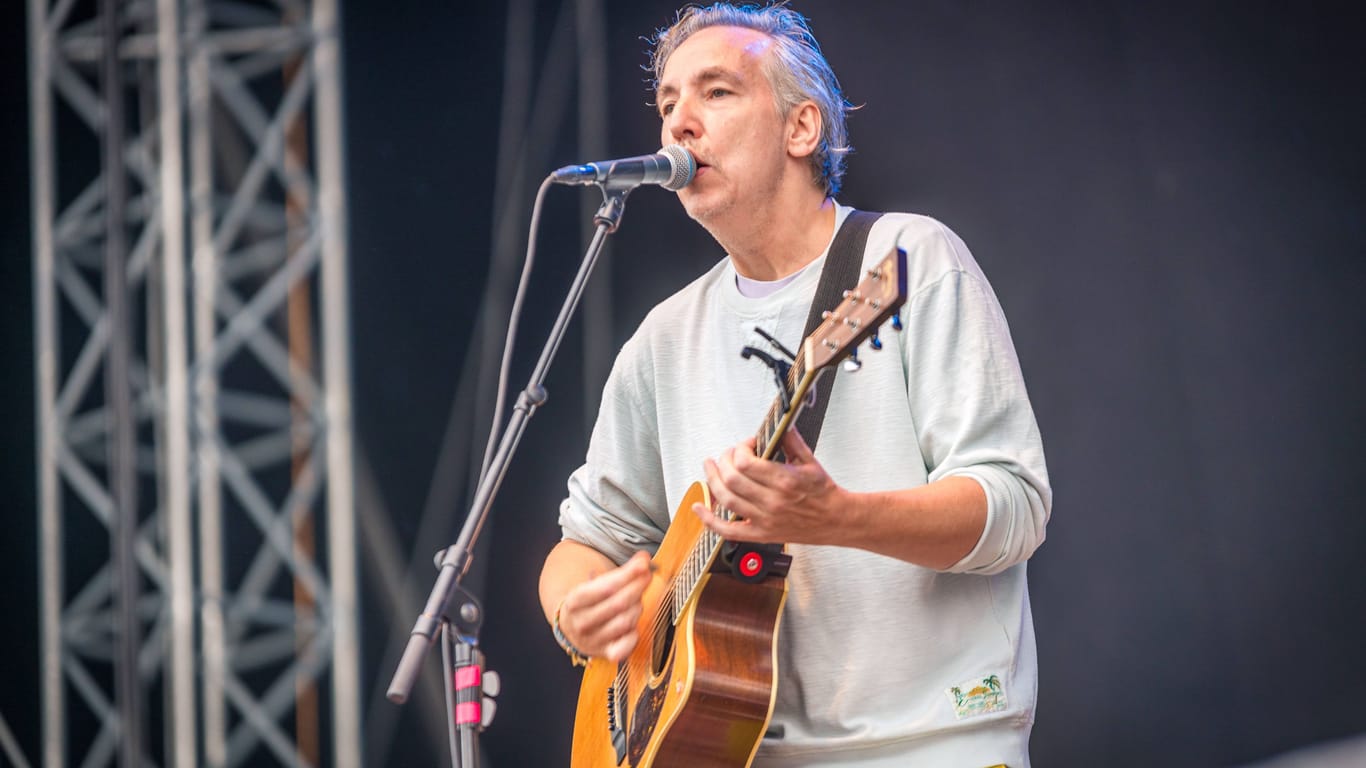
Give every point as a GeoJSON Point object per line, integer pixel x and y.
{"type": "Point", "coordinates": [896, 321]}
{"type": "Point", "coordinates": [875, 342]}
{"type": "Point", "coordinates": [852, 363]}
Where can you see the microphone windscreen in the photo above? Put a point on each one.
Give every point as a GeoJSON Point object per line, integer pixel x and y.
{"type": "Point", "coordinates": [682, 166]}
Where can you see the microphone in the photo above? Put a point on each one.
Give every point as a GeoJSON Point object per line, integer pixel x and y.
{"type": "Point", "coordinates": [673, 167]}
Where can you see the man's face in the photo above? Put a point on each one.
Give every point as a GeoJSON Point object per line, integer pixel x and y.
{"type": "Point", "coordinates": [715, 100]}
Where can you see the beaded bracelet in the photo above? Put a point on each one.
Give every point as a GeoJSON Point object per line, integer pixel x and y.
{"type": "Point", "coordinates": [579, 658]}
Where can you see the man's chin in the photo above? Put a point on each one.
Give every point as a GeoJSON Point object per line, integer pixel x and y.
{"type": "Point", "coordinates": [701, 209]}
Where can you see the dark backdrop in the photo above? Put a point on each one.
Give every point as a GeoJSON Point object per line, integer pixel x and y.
{"type": "Point", "coordinates": [1167, 198]}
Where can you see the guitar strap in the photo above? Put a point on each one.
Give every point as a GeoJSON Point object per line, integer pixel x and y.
{"type": "Point", "coordinates": [840, 273]}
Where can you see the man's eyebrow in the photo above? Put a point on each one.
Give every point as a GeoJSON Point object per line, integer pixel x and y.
{"type": "Point", "coordinates": [702, 76]}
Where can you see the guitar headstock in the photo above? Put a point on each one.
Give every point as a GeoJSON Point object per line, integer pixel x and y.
{"type": "Point", "coordinates": [864, 309]}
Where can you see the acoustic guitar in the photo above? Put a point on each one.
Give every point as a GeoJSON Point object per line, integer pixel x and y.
{"type": "Point", "coordinates": [698, 689]}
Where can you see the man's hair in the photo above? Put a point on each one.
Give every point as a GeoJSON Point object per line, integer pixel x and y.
{"type": "Point", "coordinates": [796, 71]}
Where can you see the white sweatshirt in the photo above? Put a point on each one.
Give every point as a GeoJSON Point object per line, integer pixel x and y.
{"type": "Point", "coordinates": [880, 662]}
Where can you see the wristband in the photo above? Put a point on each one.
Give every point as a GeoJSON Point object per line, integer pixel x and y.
{"type": "Point", "coordinates": [579, 658]}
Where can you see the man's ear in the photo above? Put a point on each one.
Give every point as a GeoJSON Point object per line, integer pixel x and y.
{"type": "Point", "coordinates": [804, 129]}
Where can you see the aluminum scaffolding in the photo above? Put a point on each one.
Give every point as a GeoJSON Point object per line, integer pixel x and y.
{"type": "Point", "coordinates": [221, 439]}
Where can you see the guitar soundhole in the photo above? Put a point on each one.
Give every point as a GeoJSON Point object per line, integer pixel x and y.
{"type": "Point", "coordinates": [664, 643]}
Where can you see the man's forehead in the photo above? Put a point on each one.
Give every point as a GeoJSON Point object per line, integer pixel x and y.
{"type": "Point", "coordinates": [712, 52]}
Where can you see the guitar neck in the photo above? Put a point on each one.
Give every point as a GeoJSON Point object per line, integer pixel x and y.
{"type": "Point", "coordinates": [783, 412]}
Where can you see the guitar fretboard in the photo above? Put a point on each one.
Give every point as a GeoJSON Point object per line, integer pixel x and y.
{"type": "Point", "coordinates": [781, 411]}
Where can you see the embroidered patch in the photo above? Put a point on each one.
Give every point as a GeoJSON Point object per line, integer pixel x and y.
{"type": "Point", "coordinates": [977, 697]}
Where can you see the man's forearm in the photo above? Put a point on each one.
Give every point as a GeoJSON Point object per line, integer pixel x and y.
{"type": "Point", "coordinates": [933, 525]}
{"type": "Point", "coordinates": [568, 564]}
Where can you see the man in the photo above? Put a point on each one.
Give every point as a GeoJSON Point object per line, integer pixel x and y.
{"type": "Point", "coordinates": [907, 637]}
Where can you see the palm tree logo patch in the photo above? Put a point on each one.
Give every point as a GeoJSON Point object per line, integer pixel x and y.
{"type": "Point", "coordinates": [977, 697]}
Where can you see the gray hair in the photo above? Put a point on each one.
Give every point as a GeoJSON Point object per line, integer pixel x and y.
{"type": "Point", "coordinates": [796, 71]}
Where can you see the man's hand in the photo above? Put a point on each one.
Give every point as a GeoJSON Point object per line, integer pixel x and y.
{"type": "Point", "coordinates": [794, 502]}
{"type": "Point", "coordinates": [599, 616]}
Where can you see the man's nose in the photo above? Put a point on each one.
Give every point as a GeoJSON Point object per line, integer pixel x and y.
{"type": "Point", "coordinates": [682, 122]}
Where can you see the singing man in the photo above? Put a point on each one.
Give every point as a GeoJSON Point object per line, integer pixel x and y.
{"type": "Point", "coordinates": [906, 638]}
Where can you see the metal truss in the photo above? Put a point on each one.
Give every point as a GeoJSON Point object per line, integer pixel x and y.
{"type": "Point", "coordinates": [237, 378]}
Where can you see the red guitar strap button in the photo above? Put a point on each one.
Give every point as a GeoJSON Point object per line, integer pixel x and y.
{"type": "Point", "coordinates": [751, 564]}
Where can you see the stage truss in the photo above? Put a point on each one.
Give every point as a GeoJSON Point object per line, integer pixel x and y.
{"type": "Point", "coordinates": [192, 372]}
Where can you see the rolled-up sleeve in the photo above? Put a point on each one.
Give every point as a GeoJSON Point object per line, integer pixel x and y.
{"type": "Point", "coordinates": [970, 406]}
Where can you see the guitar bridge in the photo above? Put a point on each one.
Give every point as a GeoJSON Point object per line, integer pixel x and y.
{"type": "Point", "coordinates": [615, 726]}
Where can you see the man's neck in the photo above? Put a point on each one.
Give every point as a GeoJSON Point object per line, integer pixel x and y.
{"type": "Point", "coordinates": [778, 241]}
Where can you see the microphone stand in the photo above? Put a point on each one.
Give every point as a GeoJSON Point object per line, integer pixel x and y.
{"type": "Point", "coordinates": [455, 560]}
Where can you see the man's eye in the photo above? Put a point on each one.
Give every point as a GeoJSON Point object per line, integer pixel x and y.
{"type": "Point", "coordinates": [666, 109]}
{"type": "Point", "coordinates": [717, 93]}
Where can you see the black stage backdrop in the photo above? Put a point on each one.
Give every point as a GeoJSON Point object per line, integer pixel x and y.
{"type": "Point", "coordinates": [1168, 200]}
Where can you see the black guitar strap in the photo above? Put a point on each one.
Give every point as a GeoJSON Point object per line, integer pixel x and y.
{"type": "Point", "coordinates": [840, 273]}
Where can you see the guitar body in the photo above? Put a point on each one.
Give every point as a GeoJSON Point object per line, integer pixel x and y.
{"type": "Point", "coordinates": [695, 692]}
